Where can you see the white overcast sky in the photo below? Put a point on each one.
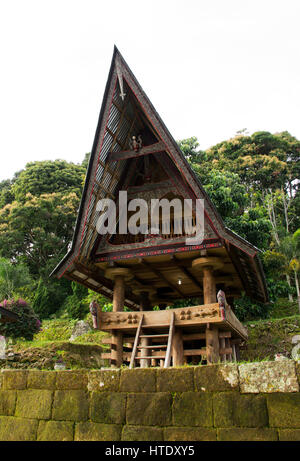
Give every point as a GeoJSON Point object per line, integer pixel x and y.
{"type": "Point", "coordinates": [209, 67]}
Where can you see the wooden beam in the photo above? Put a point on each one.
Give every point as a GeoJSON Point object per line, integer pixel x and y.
{"type": "Point", "coordinates": [186, 272]}
{"type": "Point", "coordinates": [106, 283]}
{"type": "Point", "coordinates": [159, 274]}
{"type": "Point", "coordinates": [191, 352]}
{"type": "Point", "coordinates": [146, 150]}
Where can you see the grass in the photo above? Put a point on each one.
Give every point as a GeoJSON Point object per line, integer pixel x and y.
{"type": "Point", "coordinates": [284, 308]}
{"type": "Point", "coordinates": [58, 331]}
{"type": "Point", "coordinates": [269, 337]}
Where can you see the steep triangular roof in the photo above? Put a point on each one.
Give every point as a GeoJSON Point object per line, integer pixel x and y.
{"type": "Point", "coordinates": [125, 109]}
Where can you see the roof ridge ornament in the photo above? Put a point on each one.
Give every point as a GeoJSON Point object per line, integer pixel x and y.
{"type": "Point", "coordinates": [120, 78]}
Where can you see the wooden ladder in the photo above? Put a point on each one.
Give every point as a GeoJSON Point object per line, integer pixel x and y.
{"type": "Point", "coordinates": [168, 345]}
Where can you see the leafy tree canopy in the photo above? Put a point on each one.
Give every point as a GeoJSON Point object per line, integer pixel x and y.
{"type": "Point", "coordinates": [48, 177]}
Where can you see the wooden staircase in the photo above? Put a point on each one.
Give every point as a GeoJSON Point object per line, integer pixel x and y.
{"type": "Point", "coordinates": [144, 347]}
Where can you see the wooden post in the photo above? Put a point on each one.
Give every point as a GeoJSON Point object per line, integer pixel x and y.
{"type": "Point", "coordinates": [212, 344]}
{"type": "Point", "coordinates": [118, 305]}
{"type": "Point", "coordinates": [227, 345]}
{"type": "Point", "coordinates": [145, 352]}
{"type": "Point", "coordinates": [222, 344]}
{"type": "Point", "coordinates": [119, 293]}
{"type": "Point", "coordinates": [144, 293]}
{"type": "Point", "coordinates": [233, 352]}
{"type": "Point", "coordinates": [177, 349]}
{"type": "Point", "coordinates": [209, 286]}
{"type": "Point", "coordinates": [144, 301]}
{"type": "Point", "coordinates": [117, 349]}
{"type": "Point", "coordinates": [118, 274]}
{"type": "Point", "coordinates": [207, 265]}
{"type": "Point", "coordinates": [162, 306]}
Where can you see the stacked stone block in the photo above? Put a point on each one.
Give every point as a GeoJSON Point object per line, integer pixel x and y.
{"type": "Point", "coordinates": [255, 401]}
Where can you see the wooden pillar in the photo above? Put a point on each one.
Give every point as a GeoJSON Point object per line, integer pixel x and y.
{"type": "Point", "coordinates": [222, 345]}
{"type": "Point", "coordinates": [207, 265]}
{"type": "Point", "coordinates": [162, 306]}
{"type": "Point", "coordinates": [119, 293]}
{"type": "Point", "coordinates": [118, 305]}
{"type": "Point", "coordinates": [144, 352]}
{"type": "Point", "coordinates": [209, 286]}
{"type": "Point", "coordinates": [227, 345]}
{"type": "Point", "coordinates": [118, 275]}
{"type": "Point", "coordinates": [237, 352]}
{"type": "Point", "coordinates": [117, 349]}
{"type": "Point", "coordinates": [177, 349]}
{"type": "Point", "coordinates": [212, 344]}
{"type": "Point", "coordinates": [144, 301]}
{"type": "Point", "coordinates": [144, 293]}
{"type": "Point", "coordinates": [233, 352]}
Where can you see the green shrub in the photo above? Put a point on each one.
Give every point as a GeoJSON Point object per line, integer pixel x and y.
{"type": "Point", "coordinates": [27, 324]}
{"type": "Point", "coordinates": [245, 309]}
{"type": "Point", "coordinates": [76, 304]}
{"type": "Point", "coordinates": [48, 297]}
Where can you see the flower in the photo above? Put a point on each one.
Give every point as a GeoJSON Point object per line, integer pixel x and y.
{"type": "Point", "coordinates": [22, 302]}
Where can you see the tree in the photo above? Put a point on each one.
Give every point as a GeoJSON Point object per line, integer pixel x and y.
{"type": "Point", "coordinates": [75, 304]}
{"type": "Point", "coordinates": [38, 230]}
{"type": "Point", "coordinates": [15, 279]}
{"type": "Point", "coordinates": [290, 247]}
{"type": "Point", "coordinates": [48, 177]}
{"type": "Point", "coordinates": [6, 194]}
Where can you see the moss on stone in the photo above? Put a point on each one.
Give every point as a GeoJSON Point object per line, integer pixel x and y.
{"type": "Point", "coordinates": [97, 432]}
{"type": "Point", "coordinates": [143, 380]}
{"type": "Point", "coordinates": [175, 380]}
{"type": "Point", "coordinates": [193, 409]}
{"type": "Point", "coordinates": [232, 409]}
{"type": "Point", "coordinates": [108, 407]}
{"type": "Point", "coordinates": [34, 403]}
{"type": "Point", "coordinates": [71, 379]}
{"type": "Point", "coordinates": [72, 405]}
{"type": "Point", "coordinates": [237, 434]}
{"type": "Point", "coordinates": [14, 379]}
{"type": "Point", "coordinates": [289, 435]}
{"type": "Point", "coordinates": [149, 409]}
{"type": "Point", "coordinates": [17, 429]}
{"type": "Point", "coordinates": [189, 434]}
{"type": "Point", "coordinates": [55, 431]}
{"type": "Point", "coordinates": [104, 380]}
{"type": "Point", "coordinates": [268, 377]}
{"type": "Point", "coordinates": [142, 433]}
{"type": "Point", "coordinates": [216, 378]}
{"type": "Point", "coordinates": [7, 403]}
{"type": "Point", "coordinates": [284, 410]}
{"type": "Point", "coordinates": [40, 379]}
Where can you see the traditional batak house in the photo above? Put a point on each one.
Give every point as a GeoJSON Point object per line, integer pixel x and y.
{"type": "Point", "coordinates": [133, 151]}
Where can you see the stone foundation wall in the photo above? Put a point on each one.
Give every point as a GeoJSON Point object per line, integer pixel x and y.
{"type": "Point", "coordinates": [255, 401]}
